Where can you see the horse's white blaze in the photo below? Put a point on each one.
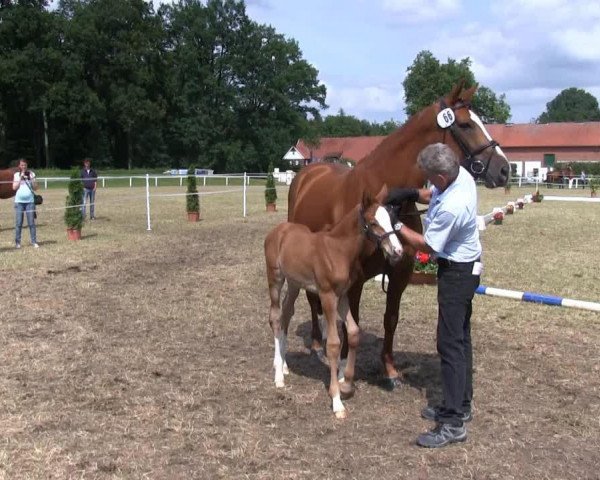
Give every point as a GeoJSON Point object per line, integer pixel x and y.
{"type": "Point", "coordinates": [279, 359]}
{"type": "Point", "coordinates": [383, 218]}
{"type": "Point", "coordinates": [478, 121]}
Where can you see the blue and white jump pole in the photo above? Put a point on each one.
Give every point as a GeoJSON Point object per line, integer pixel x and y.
{"type": "Point", "coordinates": [538, 298]}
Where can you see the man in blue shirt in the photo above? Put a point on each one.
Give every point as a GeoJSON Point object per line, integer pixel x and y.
{"type": "Point", "coordinates": [451, 234]}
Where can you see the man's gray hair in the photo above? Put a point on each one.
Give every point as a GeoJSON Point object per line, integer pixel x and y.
{"type": "Point", "coordinates": [438, 158]}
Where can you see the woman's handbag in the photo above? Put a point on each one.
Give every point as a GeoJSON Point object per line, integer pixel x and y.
{"type": "Point", "coordinates": [37, 199]}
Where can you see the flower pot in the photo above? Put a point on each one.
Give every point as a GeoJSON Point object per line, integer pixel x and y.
{"type": "Point", "coordinates": [506, 190]}
{"type": "Point", "coordinates": [497, 221]}
{"type": "Point", "coordinates": [271, 207]}
{"type": "Point", "coordinates": [536, 198]}
{"type": "Point", "coordinates": [510, 209]}
{"type": "Point", "coordinates": [73, 234]}
{"type": "Point", "coordinates": [193, 216]}
{"type": "Point", "coordinates": [422, 278]}
{"type": "Point", "coordinates": [593, 194]}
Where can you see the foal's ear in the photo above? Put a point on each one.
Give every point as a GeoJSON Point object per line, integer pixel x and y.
{"type": "Point", "coordinates": [367, 199]}
{"type": "Point", "coordinates": [382, 195]}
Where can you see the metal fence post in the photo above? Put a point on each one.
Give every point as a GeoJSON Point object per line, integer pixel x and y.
{"type": "Point", "coordinates": [244, 194]}
{"type": "Point", "coordinates": [148, 200]}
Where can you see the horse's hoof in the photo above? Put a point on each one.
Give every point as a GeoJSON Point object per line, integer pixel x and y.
{"type": "Point", "coordinates": [347, 390]}
{"type": "Point", "coordinates": [279, 384]}
{"type": "Point", "coordinates": [341, 415]}
{"type": "Point", "coordinates": [391, 383]}
{"type": "Point", "coordinates": [286, 370]}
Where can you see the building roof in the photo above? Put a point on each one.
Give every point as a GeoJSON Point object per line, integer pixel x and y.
{"type": "Point", "coordinates": [350, 148]}
{"type": "Point", "coordinates": [523, 135]}
{"type": "Point", "coordinates": [585, 134]}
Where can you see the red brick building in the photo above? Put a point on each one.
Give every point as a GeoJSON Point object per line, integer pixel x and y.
{"type": "Point", "coordinates": [533, 148]}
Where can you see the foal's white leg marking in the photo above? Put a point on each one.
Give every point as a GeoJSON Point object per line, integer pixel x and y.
{"type": "Point", "coordinates": [478, 121]}
{"type": "Point", "coordinates": [323, 327]}
{"type": "Point", "coordinates": [278, 361]}
{"type": "Point", "coordinates": [383, 218]}
{"type": "Point", "coordinates": [338, 407]}
{"type": "Point", "coordinates": [342, 368]}
{"type": "Point", "coordinates": [284, 345]}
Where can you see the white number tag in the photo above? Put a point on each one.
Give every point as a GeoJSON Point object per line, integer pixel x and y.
{"type": "Point", "coordinates": [445, 118]}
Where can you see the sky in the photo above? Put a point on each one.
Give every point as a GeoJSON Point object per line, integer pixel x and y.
{"type": "Point", "coordinates": [529, 50]}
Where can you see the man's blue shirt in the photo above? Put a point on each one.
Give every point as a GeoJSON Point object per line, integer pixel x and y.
{"type": "Point", "coordinates": [451, 221]}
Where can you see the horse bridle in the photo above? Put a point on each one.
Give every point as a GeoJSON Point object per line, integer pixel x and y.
{"type": "Point", "coordinates": [475, 166]}
{"type": "Point", "coordinates": [370, 234]}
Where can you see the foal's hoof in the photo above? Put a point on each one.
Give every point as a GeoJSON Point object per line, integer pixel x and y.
{"type": "Point", "coordinates": [347, 390]}
{"type": "Point", "coordinates": [391, 383]}
{"type": "Point", "coordinates": [341, 415]}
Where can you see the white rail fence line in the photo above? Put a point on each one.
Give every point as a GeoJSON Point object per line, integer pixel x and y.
{"type": "Point", "coordinates": [244, 189]}
{"type": "Point", "coordinates": [103, 180]}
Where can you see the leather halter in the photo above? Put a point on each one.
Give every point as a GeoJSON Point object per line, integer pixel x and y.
{"type": "Point", "coordinates": [370, 234]}
{"type": "Point", "coordinates": [474, 166]}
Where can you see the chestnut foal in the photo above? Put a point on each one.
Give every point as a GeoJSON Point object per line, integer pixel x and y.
{"type": "Point", "coordinates": [325, 263]}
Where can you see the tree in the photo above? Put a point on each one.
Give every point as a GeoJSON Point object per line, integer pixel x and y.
{"type": "Point", "coordinates": [428, 79]}
{"type": "Point", "coordinates": [571, 105]}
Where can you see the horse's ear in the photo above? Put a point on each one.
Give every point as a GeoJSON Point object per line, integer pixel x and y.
{"type": "Point", "coordinates": [467, 95]}
{"type": "Point", "coordinates": [455, 92]}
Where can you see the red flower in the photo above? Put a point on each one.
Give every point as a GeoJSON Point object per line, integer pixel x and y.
{"type": "Point", "coordinates": [422, 257]}
{"type": "Point", "coordinates": [498, 216]}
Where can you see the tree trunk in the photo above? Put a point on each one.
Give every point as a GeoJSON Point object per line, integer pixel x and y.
{"type": "Point", "coordinates": [46, 148]}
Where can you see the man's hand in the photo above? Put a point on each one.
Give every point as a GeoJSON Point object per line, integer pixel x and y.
{"type": "Point", "coordinates": [397, 196]}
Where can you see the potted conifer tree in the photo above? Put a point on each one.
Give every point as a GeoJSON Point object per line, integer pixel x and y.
{"type": "Point", "coordinates": [73, 213]}
{"type": "Point", "coordinates": [192, 199]}
{"type": "Point", "coordinates": [270, 191]}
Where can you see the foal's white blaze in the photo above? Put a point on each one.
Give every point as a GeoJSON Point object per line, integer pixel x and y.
{"type": "Point", "coordinates": [279, 360]}
{"type": "Point", "coordinates": [383, 218]}
{"type": "Point", "coordinates": [478, 121]}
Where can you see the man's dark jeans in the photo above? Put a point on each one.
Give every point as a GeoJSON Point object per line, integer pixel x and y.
{"type": "Point", "coordinates": [456, 288]}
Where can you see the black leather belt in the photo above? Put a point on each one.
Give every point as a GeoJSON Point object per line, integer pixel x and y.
{"type": "Point", "coordinates": [444, 262]}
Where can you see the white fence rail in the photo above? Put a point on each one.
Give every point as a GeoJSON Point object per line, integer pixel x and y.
{"type": "Point", "coordinates": [104, 180]}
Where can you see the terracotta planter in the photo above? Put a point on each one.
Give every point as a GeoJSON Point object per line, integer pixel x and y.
{"type": "Point", "coordinates": [193, 216]}
{"type": "Point", "coordinates": [510, 209]}
{"type": "Point", "coordinates": [536, 198]}
{"type": "Point", "coordinates": [73, 234]}
{"type": "Point", "coordinates": [422, 278]}
{"type": "Point", "coordinates": [271, 207]}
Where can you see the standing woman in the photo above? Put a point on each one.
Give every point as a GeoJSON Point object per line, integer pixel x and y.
{"type": "Point", "coordinates": [24, 184]}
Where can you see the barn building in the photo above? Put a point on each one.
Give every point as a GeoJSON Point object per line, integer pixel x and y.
{"type": "Point", "coordinates": [532, 148]}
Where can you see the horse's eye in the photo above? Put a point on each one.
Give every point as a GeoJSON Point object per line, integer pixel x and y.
{"type": "Point", "coordinates": [465, 125]}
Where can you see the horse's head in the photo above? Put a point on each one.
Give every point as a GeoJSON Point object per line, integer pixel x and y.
{"type": "Point", "coordinates": [482, 155]}
{"type": "Point", "coordinates": [377, 225]}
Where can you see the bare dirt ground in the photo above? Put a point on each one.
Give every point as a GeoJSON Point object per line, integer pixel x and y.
{"type": "Point", "coordinates": [148, 355]}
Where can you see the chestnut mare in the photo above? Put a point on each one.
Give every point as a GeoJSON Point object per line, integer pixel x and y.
{"type": "Point", "coordinates": [322, 193]}
{"type": "Point", "coordinates": [6, 179]}
{"type": "Point", "coordinates": [325, 263]}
